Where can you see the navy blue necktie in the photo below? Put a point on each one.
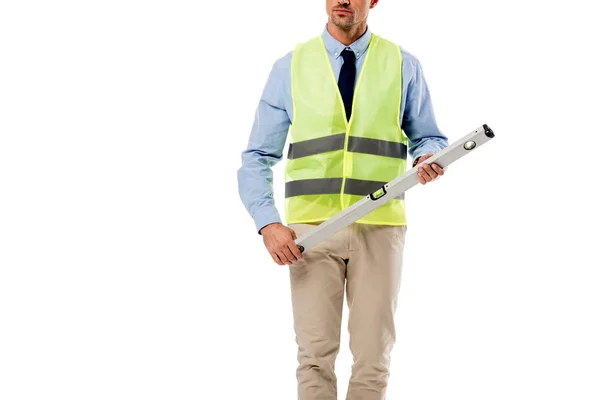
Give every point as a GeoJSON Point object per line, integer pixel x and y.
{"type": "Point", "coordinates": [346, 80]}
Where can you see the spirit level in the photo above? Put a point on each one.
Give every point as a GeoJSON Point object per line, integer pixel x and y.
{"type": "Point", "coordinates": [392, 189]}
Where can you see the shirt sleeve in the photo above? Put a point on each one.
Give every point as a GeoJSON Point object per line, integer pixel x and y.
{"type": "Point", "coordinates": [265, 149]}
{"type": "Point", "coordinates": [418, 122]}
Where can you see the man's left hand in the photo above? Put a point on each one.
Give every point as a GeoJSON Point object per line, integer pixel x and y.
{"type": "Point", "coordinates": [428, 172]}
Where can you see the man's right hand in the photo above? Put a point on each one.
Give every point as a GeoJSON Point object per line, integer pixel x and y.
{"type": "Point", "coordinates": [279, 240]}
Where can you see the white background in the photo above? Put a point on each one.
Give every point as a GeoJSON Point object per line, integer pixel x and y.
{"type": "Point", "coordinates": [129, 268]}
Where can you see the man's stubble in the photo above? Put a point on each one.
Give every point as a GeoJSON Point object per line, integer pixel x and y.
{"type": "Point", "coordinates": [344, 23]}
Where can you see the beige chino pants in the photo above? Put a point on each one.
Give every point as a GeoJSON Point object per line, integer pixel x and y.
{"type": "Point", "coordinates": [366, 260]}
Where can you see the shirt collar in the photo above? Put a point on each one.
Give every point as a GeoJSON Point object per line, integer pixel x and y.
{"type": "Point", "coordinates": [335, 48]}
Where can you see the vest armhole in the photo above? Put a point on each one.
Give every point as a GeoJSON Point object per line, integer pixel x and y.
{"type": "Point", "coordinates": [403, 136]}
{"type": "Point", "coordinates": [292, 67]}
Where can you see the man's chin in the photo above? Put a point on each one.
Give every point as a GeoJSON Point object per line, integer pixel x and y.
{"type": "Point", "coordinates": [341, 24]}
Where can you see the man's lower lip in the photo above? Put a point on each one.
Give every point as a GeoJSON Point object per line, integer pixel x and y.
{"type": "Point", "coordinates": [343, 11]}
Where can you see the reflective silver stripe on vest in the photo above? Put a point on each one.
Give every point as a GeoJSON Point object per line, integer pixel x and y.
{"type": "Point", "coordinates": [377, 147]}
{"type": "Point", "coordinates": [355, 144]}
{"type": "Point", "coordinates": [363, 188]}
{"type": "Point", "coordinates": [316, 146]}
{"type": "Point", "coordinates": [313, 186]}
{"type": "Point", "coordinates": [357, 187]}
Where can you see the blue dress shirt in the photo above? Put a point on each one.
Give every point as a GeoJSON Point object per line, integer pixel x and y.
{"type": "Point", "coordinates": [275, 113]}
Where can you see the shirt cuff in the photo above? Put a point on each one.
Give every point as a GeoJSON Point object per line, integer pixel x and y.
{"type": "Point", "coordinates": [424, 150]}
{"type": "Point", "coordinates": [265, 216]}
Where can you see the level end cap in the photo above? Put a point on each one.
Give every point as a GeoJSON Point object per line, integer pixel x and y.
{"type": "Point", "coordinates": [488, 132]}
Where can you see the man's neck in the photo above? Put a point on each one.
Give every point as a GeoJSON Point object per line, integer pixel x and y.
{"type": "Point", "coordinates": [347, 37]}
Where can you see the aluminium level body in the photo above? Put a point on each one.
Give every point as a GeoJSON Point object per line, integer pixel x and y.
{"type": "Point", "coordinates": [392, 189]}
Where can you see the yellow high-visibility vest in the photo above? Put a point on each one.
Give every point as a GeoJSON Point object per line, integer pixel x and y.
{"type": "Point", "coordinates": [332, 162]}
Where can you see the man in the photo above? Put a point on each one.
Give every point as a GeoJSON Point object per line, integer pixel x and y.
{"type": "Point", "coordinates": [354, 104]}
